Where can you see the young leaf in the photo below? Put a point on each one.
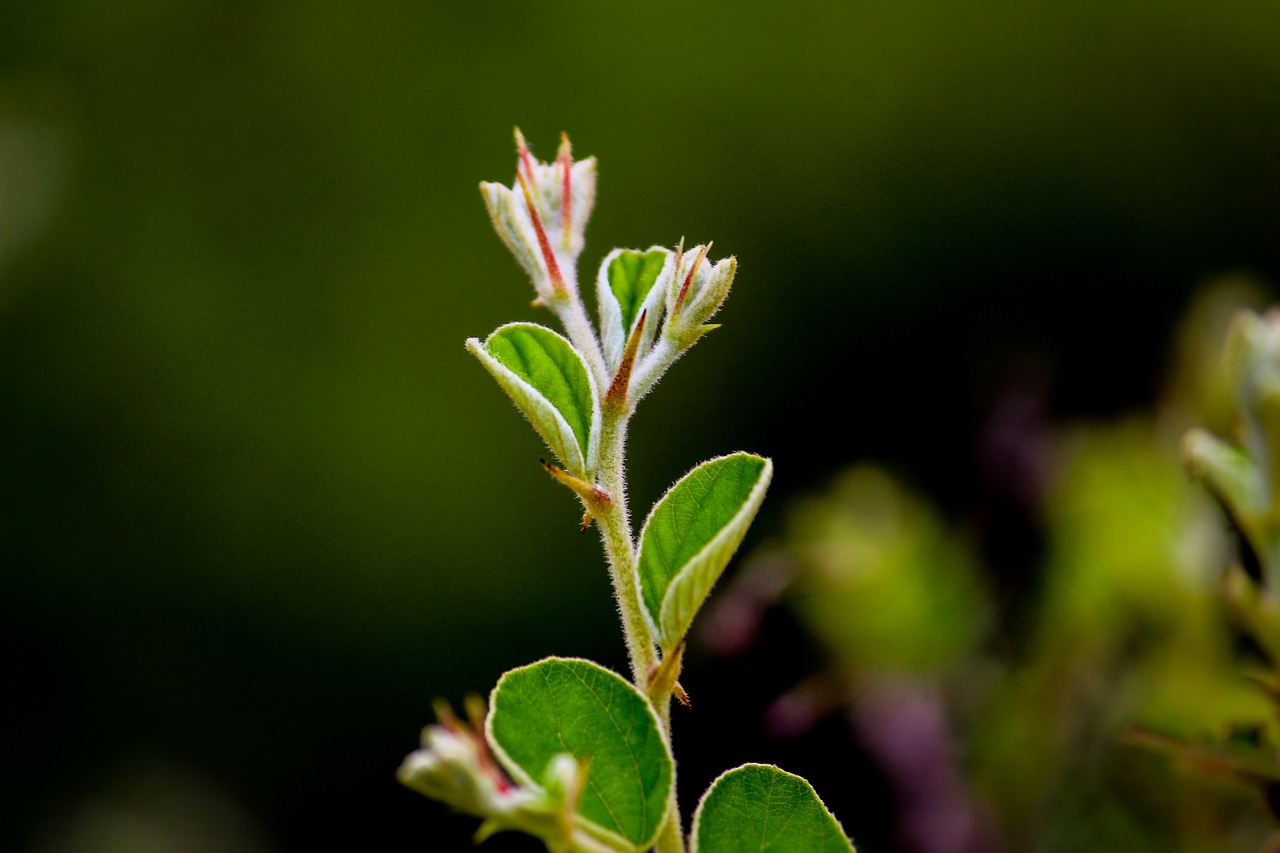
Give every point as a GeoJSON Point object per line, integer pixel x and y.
{"type": "Point", "coordinates": [566, 705]}
{"type": "Point", "coordinates": [695, 292]}
{"type": "Point", "coordinates": [546, 378]}
{"type": "Point", "coordinates": [757, 808]}
{"type": "Point", "coordinates": [691, 535]}
{"type": "Point", "coordinates": [625, 287]}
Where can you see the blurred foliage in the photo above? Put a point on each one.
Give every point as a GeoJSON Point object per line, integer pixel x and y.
{"type": "Point", "coordinates": [1128, 626]}
{"type": "Point", "coordinates": [888, 587]}
{"type": "Point", "coordinates": [1127, 630]}
{"type": "Point", "coordinates": [249, 475]}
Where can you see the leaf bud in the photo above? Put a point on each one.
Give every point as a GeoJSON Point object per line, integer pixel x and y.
{"type": "Point", "coordinates": [696, 292]}
{"type": "Point", "coordinates": [542, 216]}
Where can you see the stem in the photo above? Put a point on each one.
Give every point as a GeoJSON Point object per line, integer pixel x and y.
{"type": "Point", "coordinates": [582, 843]}
{"type": "Point", "coordinates": [615, 532]}
{"type": "Point", "coordinates": [665, 353]}
{"type": "Point", "coordinates": [616, 537]}
{"type": "Point", "coordinates": [581, 333]}
{"type": "Point", "coordinates": [650, 370]}
{"type": "Point", "coordinates": [671, 840]}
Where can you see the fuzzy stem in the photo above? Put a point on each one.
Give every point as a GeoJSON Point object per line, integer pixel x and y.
{"type": "Point", "coordinates": [615, 534]}
{"type": "Point", "coordinates": [671, 840]}
{"type": "Point", "coordinates": [573, 316]}
{"type": "Point", "coordinates": [664, 354]}
{"type": "Point", "coordinates": [616, 537]}
{"type": "Point", "coordinates": [582, 843]}
{"type": "Point", "coordinates": [619, 547]}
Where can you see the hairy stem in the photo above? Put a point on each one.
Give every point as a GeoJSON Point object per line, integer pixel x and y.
{"type": "Point", "coordinates": [672, 838]}
{"type": "Point", "coordinates": [619, 547]}
{"type": "Point", "coordinates": [573, 316]}
{"type": "Point", "coordinates": [656, 363]}
{"type": "Point", "coordinates": [615, 533]}
{"type": "Point", "coordinates": [583, 843]}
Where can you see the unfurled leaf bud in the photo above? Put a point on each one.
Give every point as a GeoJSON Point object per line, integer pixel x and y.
{"type": "Point", "coordinates": [452, 766]}
{"type": "Point", "coordinates": [547, 812]}
{"type": "Point", "coordinates": [456, 766]}
{"type": "Point", "coordinates": [695, 293]}
{"type": "Point", "coordinates": [542, 217]}
{"type": "Point", "coordinates": [562, 786]}
{"type": "Point", "coordinates": [632, 283]}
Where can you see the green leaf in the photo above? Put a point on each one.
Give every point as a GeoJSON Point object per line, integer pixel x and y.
{"type": "Point", "coordinates": [549, 383]}
{"type": "Point", "coordinates": [757, 808]}
{"type": "Point", "coordinates": [631, 277]}
{"type": "Point", "coordinates": [691, 535]}
{"type": "Point", "coordinates": [624, 288]}
{"type": "Point", "coordinates": [566, 705]}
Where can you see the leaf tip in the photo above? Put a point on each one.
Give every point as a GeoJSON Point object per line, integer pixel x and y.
{"type": "Point", "coordinates": [688, 279]}
{"type": "Point", "coordinates": [617, 394]}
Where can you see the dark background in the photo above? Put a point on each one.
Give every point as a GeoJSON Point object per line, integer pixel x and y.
{"type": "Point", "coordinates": [260, 506]}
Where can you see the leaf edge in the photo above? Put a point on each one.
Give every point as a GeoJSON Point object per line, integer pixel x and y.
{"type": "Point", "coordinates": [750, 507]}
{"type": "Point", "coordinates": [518, 773]}
{"type": "Point", "coordinates": [702, 801]}
{"type": "Point", "coordinates": [586, 460]}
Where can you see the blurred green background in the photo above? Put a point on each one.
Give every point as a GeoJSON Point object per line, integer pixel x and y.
{"type": "Point", "coordinates": [259, 505]}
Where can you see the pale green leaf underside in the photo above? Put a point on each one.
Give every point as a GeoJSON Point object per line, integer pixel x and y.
{"type": "Point", "coordinates": [631, 277]}
{"type": "Point", "coordinates": [758, 808]}
{"type": "Point", "coordinates": [561, 705]}
{"type": "Point", "coordinates": [691, 535]}
{"type": "Point", "coordinates": [546, 378]}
